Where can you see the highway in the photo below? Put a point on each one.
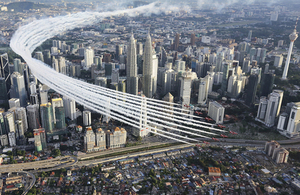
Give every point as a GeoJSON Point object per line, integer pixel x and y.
{"type": "Point", "coordinates": [31, 183]}
{"type": "Point", "coordinates": [132, 155]}
{"type": "Point", "coordinates": [116, 150]}
{"type": "Point", "coordinates": [69, 161]}
{"type": "Point", "coordinates": [36, 164]}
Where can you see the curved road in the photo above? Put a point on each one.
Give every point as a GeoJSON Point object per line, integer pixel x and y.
{"type": "Point", "coordinates": [32, 181]}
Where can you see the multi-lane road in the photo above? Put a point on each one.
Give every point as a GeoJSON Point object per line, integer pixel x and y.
{"type": "Point", "coordinates": [69, 161]}
{"type": "Point", "coordinates": [42, 164]}
{"type": "Point", "coordinates": [30, 175]}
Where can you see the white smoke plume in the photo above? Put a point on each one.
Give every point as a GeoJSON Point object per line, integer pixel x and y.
{"type": "Point", "coordinates": [31, 35]}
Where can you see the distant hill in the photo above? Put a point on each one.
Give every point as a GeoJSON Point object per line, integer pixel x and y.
{"type": "Point", "coordinates": [21, 6]}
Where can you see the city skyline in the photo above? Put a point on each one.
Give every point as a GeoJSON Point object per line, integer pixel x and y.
{"type": "Point", "coordinates": [141, 97]}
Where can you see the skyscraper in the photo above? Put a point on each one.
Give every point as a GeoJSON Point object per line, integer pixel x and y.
{"type": "Point", "coordinates": [5, 74]}
{"type": "Point", "coordinates": [9, 121]}
{"type": "Point", "coordinates": [88, 57]}
{"type": "Point", "coordinates": [119, 51]}
{"type": "Point", "coordinates": [176, 42]}
{"type": "Point", "coordinates": [185, 88]}
{"type": "Point", "coordinates": [148, 68]}
{"type": "Point", "coordinates": [56, 102]}
{"type": "Point", "coordinates": [60, 118]}
{"type": "Point", "coordinates": [14, 102]}
{"type": "Point", "coordinates": [37, 140]}
{"type": "Point", "coordinates": [18, 88]}
{"type": "Point", "coordinates": [22, 116]}
{"type": "Point", "coordinates": [12, 139]}
{"type": "Point", "coordinates": [139, 48]}
{"type": "Point", "coordinates": [193, 39]}
{"type": "Point", "coordinates": [251, 89]}
{"type": "Point", "coordinates": [116, 138]}
{"type": "Point", "coordinates": [33, 116]}
{"type": "Point", "coordinates": [89, 140]}
{"type": "Point", "coordinates": [225, 76]}
{"type": "Point", "coordinates": [268, 108]}
{"type": "Point", "coordinates": [100, 140]}
{"type": "Point", "coordinates": [293, 127]}
{"type": "Point", "coordinates": [278, 61]}
{"type": "Point", "coordinates": [293, 38]}
{"type": "Point", "coordinates": [39, 56]}
{"type": "Point", "coordinates": [70, 108]}
{"type": "Point", "coordinates": [17, 63]}
{"type": "Point", "coordinates": [19, 130]}
{"type": "Point", "coordinates": [203, 91]}
{"type": "Point", "coordinates": [47, 117]}
{"type": "Point", "coordinates": [216, 111]}
{"type": "Point", "coordinates": [34, 99]}
{"type": "Point", "coordinates": [40, 140]}
{"type": "Point", "coordinates": [131, 68]}
{"type": "Point", "coordinates": [267, 84]}
{"type": "Point", "coordinates": [87, 118]}
{"type": "Point", "coordinates": [3, 91]}
{"type": "Point", "coordinates": [219, 61]}
{"type": "Point", "coordinates": [47, 56]}
{"type": "Point", "coordinates": [2, 125]}
{"type": "Point", "coordinates": [44, 96]}
{"type": "Point", "coordinates": [98, 62]}
{"type": "Point", "coordinates": [249, 36]}
{"type": "Point", "coordinates": [62, 64]}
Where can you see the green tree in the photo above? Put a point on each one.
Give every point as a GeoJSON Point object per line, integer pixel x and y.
{"type": "Point", "coordinates": [56, 153]}
{"type": "Point", "coordinates": [139, 138]}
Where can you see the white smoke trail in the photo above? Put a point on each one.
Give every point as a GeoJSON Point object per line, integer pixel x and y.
{"type": "Point", "coordinates": [30, 36]}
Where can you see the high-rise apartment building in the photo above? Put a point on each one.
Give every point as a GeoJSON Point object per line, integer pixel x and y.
{"type": "Point", "coordinates": [70, 108]}
{"type": "Point", "coordinates": [100, 140]}
{"type": "Point", "coordinates": [280, 155]}
{"type": "Point", "coordinates": [87, 118]}
{"type": "Point", "coordinates": [89, 140]}
{"type": "Point", "coordinates": [116, 138]}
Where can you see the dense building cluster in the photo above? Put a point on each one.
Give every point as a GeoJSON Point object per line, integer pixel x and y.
{"type": "Point", "coordinates": [101, 140]}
